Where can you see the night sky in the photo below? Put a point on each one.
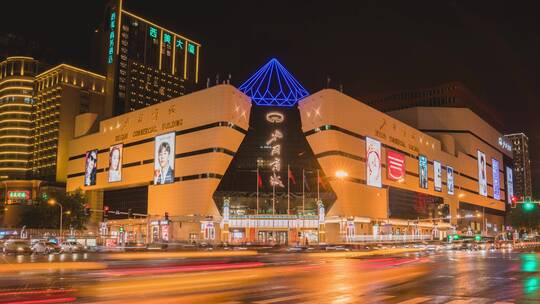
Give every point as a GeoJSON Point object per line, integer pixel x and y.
{"type": "Point", "coordinates": [493, 47]}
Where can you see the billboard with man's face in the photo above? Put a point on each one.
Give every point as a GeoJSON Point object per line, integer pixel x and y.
{"type": "Point", "coordinates": [450, 180]}
{"type": "Point", "coordinates": [509, 184]}
{"type": "Point", "coordinates": [90, 167]}
{"type": "Point", "coordinates": [373, 163]}
{"type": "Point", "coordinates": [115, 163]}
{"type": "Point", "coordinates": [482, 178]}
{"type": "Point", "coordinates": [164, 159]}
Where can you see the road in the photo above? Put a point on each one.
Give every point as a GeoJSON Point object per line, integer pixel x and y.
{"type": "Point", "coordinates": [248, 277]}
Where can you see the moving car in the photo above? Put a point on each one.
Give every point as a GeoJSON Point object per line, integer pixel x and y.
{"type": "Point", "coordinates": [71, 246]}
{"type": "Point", "coordinates": [45, 247]}
{"type": "Point", "coordinates": [17, 247]}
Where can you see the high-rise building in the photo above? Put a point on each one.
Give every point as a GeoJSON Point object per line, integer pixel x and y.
{"type": "Point", "coordinates": [145, 63]}
{"type": "Point", "coordinates": [61, 93]}
{"type": "Point", "coordinates": [16, 91]}
{"type": "Point", "coordinates": [452, 94]}
{"type": "Point", "coordinates": [522, 165]}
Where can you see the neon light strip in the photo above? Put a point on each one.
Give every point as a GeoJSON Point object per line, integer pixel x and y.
{"type": "Point", "coordinates": [68, 67]}
{"type": "Point", "coordinates": [16, 88]}
{"type": "Point", "coordinates": [16, 79]}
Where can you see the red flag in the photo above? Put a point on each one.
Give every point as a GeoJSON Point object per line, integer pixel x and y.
{"type": "Point", "coordinates": [259, 179]}
{"type": "Point", "coordinates": [291, 176]}
{"type": "Point", "coordinates": [320, 181]}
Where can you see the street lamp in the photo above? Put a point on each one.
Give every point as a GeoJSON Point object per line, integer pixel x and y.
{"type": "Point", "coordinates": [53, 202]}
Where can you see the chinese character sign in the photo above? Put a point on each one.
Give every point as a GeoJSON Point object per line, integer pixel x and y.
{"type": "Point", "coordinates": [437, 173]}
{"type": "Point", "coordinates": [482, 178]}
{"type": "Point", "coordinates": [450, 179]}
{"type": "Point", "coordinates": [423, 171]}
{"type": "Point", "coordinates": [373, 163]}
{"type": "Point", "coordinates": [395, 163]}
{"type": "Point", "coordinates": [274, 143]}
{"type": "Point", "coordinates": [496, 182]}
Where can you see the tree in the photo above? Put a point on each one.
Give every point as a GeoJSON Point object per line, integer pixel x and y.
{"type": "Point", "coordinates": [43, 215]}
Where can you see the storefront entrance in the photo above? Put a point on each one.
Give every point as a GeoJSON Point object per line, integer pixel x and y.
{"type": "Point", "coordinates": [272, 237]}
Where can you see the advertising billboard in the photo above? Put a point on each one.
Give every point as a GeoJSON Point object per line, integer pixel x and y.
{"type": "Point", "coordinates": [437, 174]}
{"type": "Point", "coordinates": [423, 171]}
{"type": "Point", "coordinates": [164, 158]}
{"type": "Point", "coordinates": [450, 179]}
{"type": "Point", "coordinates": [115, 163]}
{"type": "Point", "coordinates": [482, 177]}
{"type": "Point", "coordinates": [373, 163]}
{"type": "Point", "coordinates": [509, 184]}
{"type": "Point", "coordinates": [395, 164]}
{"type": "Point", "coordinates": [496, 181]}
{"type": "Point", "coordinates": [90, 167]}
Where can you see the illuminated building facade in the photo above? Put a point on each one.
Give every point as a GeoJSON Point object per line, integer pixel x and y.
{"type": "Point", "coordinates": [60, 94]}
{"type": "Point", "coordinates": [145, 63]}
{"type": "Point", "coordinates": [16, 98]}
{"type": "Point", "coordinates": [217, 165]}
{"type": "Point", "coordinates": [522, 165]}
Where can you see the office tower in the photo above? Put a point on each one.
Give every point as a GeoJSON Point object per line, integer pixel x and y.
{"type": "Point", "coordinates": [522, 165]}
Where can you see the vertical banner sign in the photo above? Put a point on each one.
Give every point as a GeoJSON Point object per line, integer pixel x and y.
{"type": "Point", "coordinates": [395, 164]}
{"type": "Point", "coordinates": [509, 185]}
{"type": "Point", "coordinates": [437, 174]}
{"type": "Point", "coordinates": [450, 179]}
{"type": "Point", "coordinates": [482, 178]}
{"type": "Point", "coordinates": [423, 171]}
{"type": "Point", "coordinates": [274, 142]}
{"type": "Point", "coordinates": [115, 163]}
{"type": "Point", "coordinates": [373, 162]}
{"type": "Point", "coordinates": [90, 167]}
{"type": "Point", "coordinates": [164, 159]}
{"type": "Point", "coordinates": [496, 182]}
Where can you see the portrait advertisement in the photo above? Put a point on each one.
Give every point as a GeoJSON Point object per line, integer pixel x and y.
{"type": "Point", "coordinates": [437, 173]}
{"type": "Point", "coordinates": [90, 167]}
{"type": "Point", "coordinates": [164, 158]}
{"type": "Point", "coordinates": [450, 179]}
{"type": "Point", "coordinates": [423, 171]}
{"type": "Point", "coordinates": [373, 163]}
{"type": "Point", "coordinates": [115, 163]}
{"type": "Point", "coordinates": [496, 181]}
{"type": "Point", "coordinates": [482, 178]}
{"type": "Point", "coordinates": [509, 184]}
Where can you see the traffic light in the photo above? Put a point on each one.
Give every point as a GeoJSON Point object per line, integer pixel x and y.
{"type": "Point", "coordinates": [528, 205]}
{"type": "Point", "coordinates": [130, 212]}
{"type": "Point", "coordinates": [514, 201]}
{"type": "Point", "coordinates": [121, 229]}
{"type": "Point", "coordinates": [478, 237]}
{"type": "Point", "coordinates": [105, 211]}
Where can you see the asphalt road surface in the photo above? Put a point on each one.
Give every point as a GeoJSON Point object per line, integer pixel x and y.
{"type": "Point", "coordinates": [247, 277]}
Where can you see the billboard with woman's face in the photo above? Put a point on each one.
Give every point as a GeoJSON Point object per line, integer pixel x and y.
{"type": "Point", "coordinates": [482, 178]}
{"type": "Point", "coordinates": [437, 175]}
{"type": "Point", "coordinates": [90, 167]}
{"type": "Point", "coordinates": [450, 179]}
{"type": "Point", "coordinates": [115, 163]}
{"type": "Point", "coordinates": [164, 159]}
{"type": "Point", "coordinates": [423, 171]}
{"type": "Point", "coordinates": [373, 163]}
{"type": "Point", "coordinates": [496, 181]}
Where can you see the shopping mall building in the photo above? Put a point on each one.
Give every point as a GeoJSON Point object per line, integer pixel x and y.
{"type": "Point", "coordinates": [254, 165]}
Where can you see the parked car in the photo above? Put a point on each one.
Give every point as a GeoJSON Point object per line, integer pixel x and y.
{"type": "Point", "coordinates": [17, 247]}
{"type": "Point", "coordinates": [71, 246]}
{"type": "Point", "coordinates": [45, 247]}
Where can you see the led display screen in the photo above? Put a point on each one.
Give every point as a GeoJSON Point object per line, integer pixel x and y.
{"type": "Point", "coordinates": [482, 178]}
{"type": "Point", "coordinates": [115, 163]}
{"type": "Point", "coordinates": [90, 167]}
{"type": "Point", "coordinates": [496, 182]}
{"type": "Point", "coordinates": [423, 171]}
{"type": "Point", "coordinates": [164, 159]}
{"type": "Point", "coordinates": [373, 162]}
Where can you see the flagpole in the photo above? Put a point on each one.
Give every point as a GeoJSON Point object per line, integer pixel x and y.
{"type": "Point", "coordinates": [257, 212]}
{"type": "Point", "coordinates": [288, 190]}
{"type": "Point", "coordinates": [303, 191]}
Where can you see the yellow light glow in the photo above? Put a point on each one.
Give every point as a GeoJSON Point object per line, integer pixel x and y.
{"type": "Point", "coordinates": [15, 136]}
{"type": "Point", "coordinates": [16, 120]}
{"type": "Point", "coordinates": [15, 104]}
{"type": "Point", "coordinates": [341, 174]}
{"type": "Point", "coordinates": [173, 54]}
{"type": "Point", "coordinates": [197, 67]}
{"type": "Point", "coordinates": [18, 95]}
{"type": "Point", "coordinates": [16, 88]}
{"type": "Point", "coordinates": [15, 112]}
{"type": "Point", "coordinates": [19, 58]}
{"type": "Point", "coordinates": [68, 67]}
{"type": "Point", "coordinates": [13, 160]}
{"type": "Point", "coordinates": [13, 169]}
{"type": "Point", "coordinates": [16, 79]}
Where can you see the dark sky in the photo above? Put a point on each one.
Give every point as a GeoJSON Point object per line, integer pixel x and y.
{"type": "Point", "coordinates": [368, 46]}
